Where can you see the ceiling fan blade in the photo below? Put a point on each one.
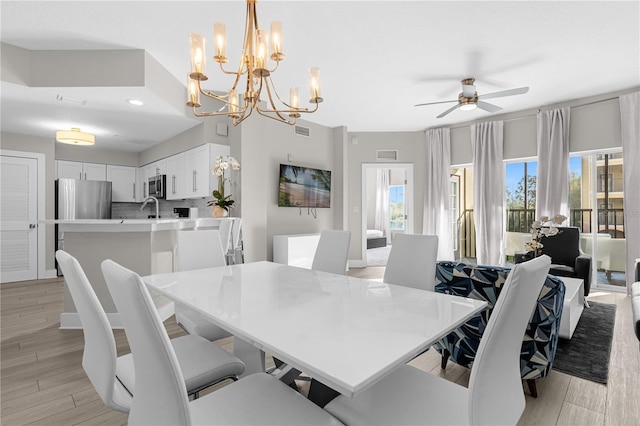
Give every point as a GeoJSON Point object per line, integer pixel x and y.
{"type": "Point", "coordinates": [449, 110]}
{"type": "Point", "coordinates": [488, 107]}
{"type": "Point", "coordinates": [510, 92]}
{"type": "Point", "coordinates": [434, 103]}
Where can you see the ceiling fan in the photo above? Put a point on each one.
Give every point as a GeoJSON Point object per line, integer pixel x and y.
{"type": "Point", "coordinates": [469, 99]}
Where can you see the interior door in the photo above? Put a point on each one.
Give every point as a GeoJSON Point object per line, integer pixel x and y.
{"type": "Point", "coordinates": [18, 219]}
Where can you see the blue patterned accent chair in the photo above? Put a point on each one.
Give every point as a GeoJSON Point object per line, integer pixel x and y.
{"type": "Point", "coordinates": [484, 283]}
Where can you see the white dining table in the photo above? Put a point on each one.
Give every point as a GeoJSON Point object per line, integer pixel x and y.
{"type": "Point", "coordinates": [343, 331]}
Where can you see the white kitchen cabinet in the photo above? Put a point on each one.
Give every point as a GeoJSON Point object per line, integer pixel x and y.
{"type": "Point", "coordinates": [123, 183]}
{"type": "Point", "coordinates": [198, 170]}
{"type": "Point", "coordinates": [176, 177]}
{"type": "Point", "coordinates": [80, 170]}
{"type": "Point", "coordinates": [189, 174]}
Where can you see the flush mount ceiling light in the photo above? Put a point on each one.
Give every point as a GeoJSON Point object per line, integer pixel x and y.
{"type": "Point", "coordinates": [253, 73]}
{"type": "Point", "coordinates": [75, 137]}
{"type": "Point", "coordinates": [135, 102]}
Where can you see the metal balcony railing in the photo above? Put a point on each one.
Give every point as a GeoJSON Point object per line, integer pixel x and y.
{"type": "Point", "coordinates": [610, 221]}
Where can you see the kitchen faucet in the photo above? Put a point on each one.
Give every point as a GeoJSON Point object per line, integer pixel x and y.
{"type": "Point", "coordinates": [144, 204]}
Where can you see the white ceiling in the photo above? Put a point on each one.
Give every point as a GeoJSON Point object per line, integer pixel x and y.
{"type": "Point", "coordinates": [377, 58]}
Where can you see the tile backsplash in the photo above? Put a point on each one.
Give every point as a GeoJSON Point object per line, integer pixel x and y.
{"type": "Point", "coordinates": [132, 210]}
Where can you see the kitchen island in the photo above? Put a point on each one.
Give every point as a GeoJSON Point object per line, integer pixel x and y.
{"type": "Point", "coordinates": [146, 246]}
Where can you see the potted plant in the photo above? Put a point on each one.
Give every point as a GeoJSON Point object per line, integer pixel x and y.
{"type": "Point", "coordinates": [543, 227]}
{"type": "Point", "coordinates": [222, 203]}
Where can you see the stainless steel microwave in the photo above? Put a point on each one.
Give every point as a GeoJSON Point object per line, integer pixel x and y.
{"type": "Point", "coordinates": [157, 186]}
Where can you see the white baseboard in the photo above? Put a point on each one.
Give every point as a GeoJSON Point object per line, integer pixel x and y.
{"type": "Point", "coordinates": [71, 321]}
{"type": "Point", "coordinates": [357, 263]}
{"type": "Point", "coordinates": [50, 273]}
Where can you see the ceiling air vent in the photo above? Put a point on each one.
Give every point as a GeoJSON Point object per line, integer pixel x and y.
{"type": "Point", "coordinates": [387, 154]}
{"type": "Point", "coordinates": [302, 131]}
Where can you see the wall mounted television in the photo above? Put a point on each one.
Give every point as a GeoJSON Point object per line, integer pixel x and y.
{"type": "Point", "coordinates": [304, 187]}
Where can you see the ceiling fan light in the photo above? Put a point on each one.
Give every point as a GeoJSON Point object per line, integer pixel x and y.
{"type": "Point", "coordinates": [75, 137]}
{"type": "Point", "coordinates": [467, 107]}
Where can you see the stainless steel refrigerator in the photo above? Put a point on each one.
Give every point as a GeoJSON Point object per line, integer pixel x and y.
{"type": "Point", "coordinates": [81, 199]}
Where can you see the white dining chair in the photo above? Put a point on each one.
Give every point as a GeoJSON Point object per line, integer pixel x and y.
{"type": "Point", "coordinates": [196, 250]}
{"type": "Point", "coordinates": [409, 396]}
{"type": "Point", "coordinates": [331, 255]}
{"type": "Point", "coordinates": [258, 399]}
{"type": "Point", "coordinates": [203, 364]}
{"type": "Point", "coordinates": [332, 252]}
{"type": "Point", "coordinates": [412, 261]}
{"type": "Point", "coordinates": [226, 226]}
{"type": "Point", "coordinates": [237, 250]}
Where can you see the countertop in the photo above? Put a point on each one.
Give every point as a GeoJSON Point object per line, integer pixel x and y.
{"type": "Point", "coordinates": [133, 225]}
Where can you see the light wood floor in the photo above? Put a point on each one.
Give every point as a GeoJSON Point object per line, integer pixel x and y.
{"type": "Point", "coordinates": [42, 380]}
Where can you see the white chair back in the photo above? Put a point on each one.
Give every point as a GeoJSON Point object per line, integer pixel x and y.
{"type": "Point", "coordinates": [161, 394]}
{"type": "Point", "coordinates": [237, 250]}
{"type": "Point", "coordinates": [199, 249]}
{"type": "Point", "coordinates": [412, 261]}
{"type": "Point", "coordinates": [99, 357]}
{"type": "Point", "coordinates": [332, 252]}
{"type": "Point", "coordinates": [236, 231]}
{"type": "Point", "coordinates": [495, 386]}
{"type": "Point", "coordinates": [226, 226]}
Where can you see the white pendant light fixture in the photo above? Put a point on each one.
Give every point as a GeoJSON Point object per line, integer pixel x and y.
{"type": "Point", "coordinates": [75, 137]}
{"type": "Point", "coordinates": [252, 75]}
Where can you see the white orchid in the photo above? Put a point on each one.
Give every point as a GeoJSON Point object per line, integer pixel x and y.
{"type": "Point", "coordinates": [223, 164]}
{"type": "Point", "coordinates": [219, 168]}
{"type": "Point", "coordinates": [543, 227]}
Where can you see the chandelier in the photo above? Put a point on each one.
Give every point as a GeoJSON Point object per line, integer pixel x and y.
{"type": "Point", "coordinates": [253, 75]}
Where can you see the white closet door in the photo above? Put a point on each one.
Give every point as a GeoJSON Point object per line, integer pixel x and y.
{"type": "Point", "coordinates": [18, 214]}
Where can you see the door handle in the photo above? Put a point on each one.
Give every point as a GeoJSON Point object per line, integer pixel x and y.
{"type": "Point", "coordinates": [32, 226]}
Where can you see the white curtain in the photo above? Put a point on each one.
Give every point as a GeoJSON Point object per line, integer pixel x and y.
{"type": "Point", "coordinates": [630, 122]}
{"type": "Point", "coordinates": [488, 192]}
{"type": "Point", "coordinates": [436, 219]}
{"type": "Point", "coordinates": [382, 203]}
{"type": "Point", "coordinates": [552, 187]}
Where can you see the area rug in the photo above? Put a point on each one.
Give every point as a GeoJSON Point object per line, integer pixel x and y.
{"type": "Point", "coordinates": [587, 354]}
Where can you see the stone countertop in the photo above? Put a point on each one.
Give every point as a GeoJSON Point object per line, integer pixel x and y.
{"type": "Point", "coordinates": [133, 225]}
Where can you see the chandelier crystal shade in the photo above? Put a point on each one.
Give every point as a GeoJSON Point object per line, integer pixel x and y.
{"type": "Point", "coordinates": [261, 56]}
{"type": "Point", "coordinates": [75, 137]}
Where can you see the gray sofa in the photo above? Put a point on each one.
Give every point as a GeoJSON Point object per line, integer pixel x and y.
{"type": "Point", "coordinates": [635, 299]}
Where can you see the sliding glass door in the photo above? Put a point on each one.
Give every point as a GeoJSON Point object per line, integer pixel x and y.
{"type": "Point", "coordinates": [596, 195]}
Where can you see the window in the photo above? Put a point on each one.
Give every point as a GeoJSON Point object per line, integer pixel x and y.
{"type": "Point", "coordinates": [396, 207]}
{"type": "Point", "coordinates": [605, 181]}
{"type": "Point", "coordinates": [521, 195]}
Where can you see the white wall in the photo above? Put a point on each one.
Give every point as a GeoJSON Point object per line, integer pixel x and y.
{"type": "Point", "coordinates": [94, 154]}
{"type": "Point", "coordinates": [265, 144]}
{"type": "Point", "coordinates": [411, 149]}
{"type": "Point", "coordinates": [594, 124]}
